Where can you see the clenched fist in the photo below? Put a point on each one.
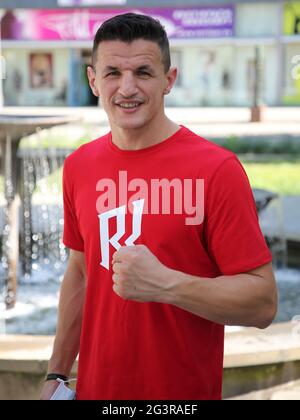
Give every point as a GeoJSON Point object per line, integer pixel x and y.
{"type": "Point", "coordinates": [138, 275]}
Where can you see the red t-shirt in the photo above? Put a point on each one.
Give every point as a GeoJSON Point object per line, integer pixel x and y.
{"type": "Point", "coordinates": [132, 350]}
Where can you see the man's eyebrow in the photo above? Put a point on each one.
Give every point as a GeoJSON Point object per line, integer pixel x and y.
{"type": "Point", "coordinates": [110, 68]}
{"type": "Point", "coordinates": [145, 67]}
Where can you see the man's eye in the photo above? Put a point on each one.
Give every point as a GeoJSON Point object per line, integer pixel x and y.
{"type": "Point", "coordinates": [113, 73]}
{"type": "Point", "coordinates": [143, 73]}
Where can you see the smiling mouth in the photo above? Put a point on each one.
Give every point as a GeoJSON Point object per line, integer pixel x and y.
{"type": "Point", "coordinates": [129, 105]}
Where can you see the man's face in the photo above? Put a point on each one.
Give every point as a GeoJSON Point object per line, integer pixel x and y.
{"type": "Point", "coordinates": [131, 82]}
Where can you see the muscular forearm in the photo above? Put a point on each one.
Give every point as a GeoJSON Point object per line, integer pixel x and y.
{"type": "Point", "coordinates": [66, 345]}
{"type": "Point", "coordinates": [242, 299]}
{"type": "Point", "coordinates": [248, 299]}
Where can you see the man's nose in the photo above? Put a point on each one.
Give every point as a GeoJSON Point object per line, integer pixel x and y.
{"type": "Point", "coordinates": [128, 87]}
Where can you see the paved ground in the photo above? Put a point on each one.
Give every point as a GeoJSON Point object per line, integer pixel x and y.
{"type": "Point", "coordinates": [289, 391]}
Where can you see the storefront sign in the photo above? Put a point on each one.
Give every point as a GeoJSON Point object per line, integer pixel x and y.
{"type": "Point", "coordinates": [82, 24]}
{"type": "Point", "coordinates": [291, 26]}
{"type": "Point", "coordinates": [90, 2]}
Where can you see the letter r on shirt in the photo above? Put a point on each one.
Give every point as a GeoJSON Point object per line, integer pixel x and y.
{"type": "Point", "coordinates": [120, 214]}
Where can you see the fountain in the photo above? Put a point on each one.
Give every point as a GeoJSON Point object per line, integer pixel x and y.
{"type": "Point", "coordinates": [12, 129]}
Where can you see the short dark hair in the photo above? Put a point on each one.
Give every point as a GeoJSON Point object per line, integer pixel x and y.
{"type": "Point", "coordinates": [130, 27]}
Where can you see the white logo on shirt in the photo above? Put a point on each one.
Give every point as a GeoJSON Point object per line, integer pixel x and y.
{"type": "Point", "coordinates": [119, 213]}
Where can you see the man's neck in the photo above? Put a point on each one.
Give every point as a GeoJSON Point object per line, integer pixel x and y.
{"type": "Point", "coordinates": [140, 138]}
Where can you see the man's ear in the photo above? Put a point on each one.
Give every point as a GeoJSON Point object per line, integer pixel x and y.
{"type": "Point", "coordinates": [171, 77]}
{"type": "Point", "coordinates": [91, 74]}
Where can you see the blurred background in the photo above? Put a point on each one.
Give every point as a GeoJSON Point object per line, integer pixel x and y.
{"type": "Point", "coordinates": [47, 47]}
{"type": "Point", "coordinates": [238, 86]}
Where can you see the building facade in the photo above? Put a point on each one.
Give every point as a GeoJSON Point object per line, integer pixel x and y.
{"type": "Point", "coordinates": [216, 45]}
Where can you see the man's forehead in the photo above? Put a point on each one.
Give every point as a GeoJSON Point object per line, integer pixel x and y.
{"type": "Point", "coordinates": [139, 52]}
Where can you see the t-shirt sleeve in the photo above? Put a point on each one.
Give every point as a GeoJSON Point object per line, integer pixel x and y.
{"type": "Point", "coordinates": [234, 237]}
{"type": "Point", "coordinates": [71, 235]}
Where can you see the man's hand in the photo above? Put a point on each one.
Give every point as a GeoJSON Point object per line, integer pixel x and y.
{"type": "Point", "coordinates": [138, 275]}
{"type": "Point", "coordinates": [48, 389]}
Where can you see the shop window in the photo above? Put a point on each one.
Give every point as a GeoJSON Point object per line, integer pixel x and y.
{"type": "Point", "coordinates": [41, 70]}
{"type": "Point", "coordinates": [291, 89]}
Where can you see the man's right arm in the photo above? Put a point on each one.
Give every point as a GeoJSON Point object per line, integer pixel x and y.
{"type": "Point", "coordinates": [67, 339]}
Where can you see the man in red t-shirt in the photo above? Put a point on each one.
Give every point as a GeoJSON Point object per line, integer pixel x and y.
{"type": "Point", "coordinates": [165, 245]}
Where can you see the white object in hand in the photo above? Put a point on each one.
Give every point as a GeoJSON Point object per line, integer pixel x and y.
{"type": "Point", "coordinates": [63, 392]}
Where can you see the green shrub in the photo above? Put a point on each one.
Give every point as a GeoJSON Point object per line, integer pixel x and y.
{"type": "Point", "coordinates": [261, 146]}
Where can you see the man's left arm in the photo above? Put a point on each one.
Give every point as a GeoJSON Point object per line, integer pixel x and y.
{"type": "Point", "coordinates": [245, 299]}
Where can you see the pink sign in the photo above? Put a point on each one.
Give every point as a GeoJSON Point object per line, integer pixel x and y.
{"type": "Point", "coordinates": [90, 2]}
{"type": "Point", "coordinates": [82, 24]}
